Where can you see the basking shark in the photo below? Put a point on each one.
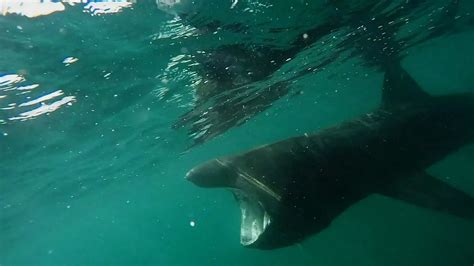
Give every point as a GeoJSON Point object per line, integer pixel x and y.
{"type": "Point", "coordinates": [293, 188]}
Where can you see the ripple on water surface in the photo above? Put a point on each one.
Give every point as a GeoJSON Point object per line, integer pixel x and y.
{"type": "Point", "coordinates": [21, 101]}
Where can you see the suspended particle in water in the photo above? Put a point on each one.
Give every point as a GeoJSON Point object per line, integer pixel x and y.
{"type": "Point", "coordinates": [70, 60]}
{"type": "Point", "coordinates": [192, 223]}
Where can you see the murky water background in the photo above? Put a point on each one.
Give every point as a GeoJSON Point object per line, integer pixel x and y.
{"type": "Point", "coordinates": [101, 116]}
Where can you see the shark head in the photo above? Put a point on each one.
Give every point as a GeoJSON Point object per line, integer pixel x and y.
{"type": "Point", "coordinates": [212, 174]}
{"type": "Point", "coordinates": [264, 223]}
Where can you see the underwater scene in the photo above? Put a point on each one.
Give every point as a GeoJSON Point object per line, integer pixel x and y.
{"type": "Point", "coordinates": [237, 132]}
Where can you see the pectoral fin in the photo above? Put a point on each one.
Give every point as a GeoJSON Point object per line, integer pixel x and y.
{"type": "Point", "coordinates": [429, 192]}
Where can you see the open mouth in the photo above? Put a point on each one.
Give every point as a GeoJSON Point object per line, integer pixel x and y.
{"type": "Point", "coordinates": [254, 218]}
{"type": "Point", "coordinates": [255, 198]}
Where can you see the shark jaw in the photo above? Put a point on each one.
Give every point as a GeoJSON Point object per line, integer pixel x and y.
{"type": "Point", "coordinates": [255, 199]}
{"type": "Point", "coordinates": [254, 218]}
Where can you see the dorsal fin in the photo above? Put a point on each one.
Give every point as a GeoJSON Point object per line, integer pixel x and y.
{"type": "Point", "coordinates": [399, 87]}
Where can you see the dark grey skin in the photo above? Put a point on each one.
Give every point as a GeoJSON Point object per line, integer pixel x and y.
{"type": "Point", "coordinates": [296, 187]}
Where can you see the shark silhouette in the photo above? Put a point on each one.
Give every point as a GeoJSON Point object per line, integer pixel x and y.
{"type": "Point", "coordinates": [291, 189]}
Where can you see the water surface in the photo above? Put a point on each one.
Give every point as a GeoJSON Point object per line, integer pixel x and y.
{"type": "Point", "coordinates": [103, 109]}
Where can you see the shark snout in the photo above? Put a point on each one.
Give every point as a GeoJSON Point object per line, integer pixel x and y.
{"type": "Point", "coordinates": [212, 174]}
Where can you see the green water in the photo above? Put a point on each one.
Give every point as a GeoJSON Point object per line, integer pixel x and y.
{"type": "Point", "coordinates": [96, 177]}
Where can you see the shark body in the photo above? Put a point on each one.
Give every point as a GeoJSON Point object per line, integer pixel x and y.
{"type": "Point", "coordinates": [294, 188]}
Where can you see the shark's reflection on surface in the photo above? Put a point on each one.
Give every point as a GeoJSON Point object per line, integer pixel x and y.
{"type": "Point", "coordinates": [243, 76]}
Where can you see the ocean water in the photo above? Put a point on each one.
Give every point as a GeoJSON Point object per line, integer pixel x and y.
{"type": "Point", "coordinates": [105, 106]}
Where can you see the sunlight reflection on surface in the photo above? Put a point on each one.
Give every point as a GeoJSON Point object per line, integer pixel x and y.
{"type": "Point", "coordinates": [44, 109]}
{"type": "Point", "coordinates": [36, 8]}
{"type": "Point", "coordinates": [12, 90]}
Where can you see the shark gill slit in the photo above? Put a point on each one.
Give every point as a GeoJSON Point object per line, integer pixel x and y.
{"type": "Point", "coordinates": [253, 181]}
